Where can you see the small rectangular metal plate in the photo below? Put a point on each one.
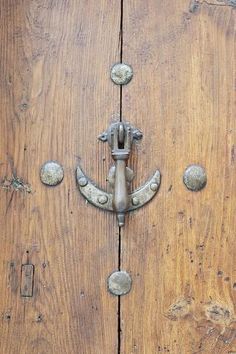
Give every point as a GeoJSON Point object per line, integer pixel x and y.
{"type": "Point", "coordinates": [27, 280]}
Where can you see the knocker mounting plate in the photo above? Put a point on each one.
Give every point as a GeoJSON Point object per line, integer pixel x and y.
{"type": "Point", "coordinates": [120, 137]}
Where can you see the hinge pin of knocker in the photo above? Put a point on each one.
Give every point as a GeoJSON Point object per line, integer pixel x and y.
{"type": "Point", "coordinates": [120, 137]}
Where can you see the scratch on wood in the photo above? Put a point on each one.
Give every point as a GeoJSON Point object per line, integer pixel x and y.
{"type": "Point", "coordinates": [230, 2]}
{"type": "Point", "coordinates": [233, 154]}
{"type": "Point", "coordinates": [9, 203]}
{"type": "Point", "coordinates": [179, 309]}
{"type": "Point", "coordinates": [219, 313]}
{"type": "Point", "coordinates": [15, 184]}
{"type": "Point", "coordinates": [13, 277]}
{"type": "Point", "coordinates": [194, 5]}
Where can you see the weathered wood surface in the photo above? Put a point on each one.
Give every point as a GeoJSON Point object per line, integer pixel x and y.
{"type": "Point", "coordinates": [180, 249]}
{"type": "Point", "coordinates": [55, 97]}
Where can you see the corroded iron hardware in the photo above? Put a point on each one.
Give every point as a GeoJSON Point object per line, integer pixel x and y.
{"type": "Point", "coordinates": [120, 137]}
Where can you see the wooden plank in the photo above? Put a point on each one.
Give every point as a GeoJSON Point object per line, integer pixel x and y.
{"type": "Point", "coordinates": [55, 98]}
{"type": "Point", "coordinates": [180, 249]}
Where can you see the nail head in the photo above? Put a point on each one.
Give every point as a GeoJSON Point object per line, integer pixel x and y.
{"type": "Point", "coordinates": [195, 178]}
{"type": "Point", "coordinates": [154, 187]}
{"type": "Point", "coordinates": [51, 173]}
{"type": "Point", "coordinates": [135, 201]}
{"type": "Point", "coordinates": [102, 199]}
{"type": "Point", "coordinates": [121, 74]}
{"type": "Point", "coordinates": [83, 181]}
{"type": "Point", "coordinates": [119, 283]}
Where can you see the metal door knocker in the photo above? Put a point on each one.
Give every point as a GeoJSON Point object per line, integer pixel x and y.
{"type": "Point", "coordinates": [120, 137]}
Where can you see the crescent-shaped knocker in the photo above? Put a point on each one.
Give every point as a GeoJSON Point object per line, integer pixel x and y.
{"type": "Point", "coordinates": [120, 137]}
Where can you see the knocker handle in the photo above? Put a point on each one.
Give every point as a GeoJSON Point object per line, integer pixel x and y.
{"type": "Point", "coordinates": [120, 137]}
{"type": "Point", "coordinates": [120, 193]}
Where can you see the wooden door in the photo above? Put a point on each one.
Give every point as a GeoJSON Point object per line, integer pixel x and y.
{"type": "Point", "coordinates": [57, 251]}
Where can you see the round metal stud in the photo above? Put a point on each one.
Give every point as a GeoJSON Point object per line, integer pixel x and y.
{"type": "Point", "coordinates": [119, 283]}
{"type": "Point", "coordinates": [154, 187]}
{"type": "Point", "coordinates": [121, 74]}
{"type": "Point", "coordinates": [102, 199]}
{"type": "Point", "coordinates": [195, 178]}
{"type": "Point", "coordinates": [51, 173]}
{"type": "Point", "coordinates": [135, 201]}
{"type": "Point", "coordinates": [83, 181]}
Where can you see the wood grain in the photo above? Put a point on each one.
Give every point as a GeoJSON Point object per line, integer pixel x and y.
{"type": "Point", "coordinates": [55, 98]}
{"type": "Point", "coordinates": [180, 249]}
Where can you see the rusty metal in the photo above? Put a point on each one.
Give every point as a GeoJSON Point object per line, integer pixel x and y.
{"type": "Point", "coordinates": [120, 137]}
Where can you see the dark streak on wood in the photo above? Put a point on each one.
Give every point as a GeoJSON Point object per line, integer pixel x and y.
{"type": "Point", "coordinates": [13, 277]}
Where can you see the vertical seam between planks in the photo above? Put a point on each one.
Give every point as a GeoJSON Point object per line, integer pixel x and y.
{"type": "Point", "coordinates": [119, 245]}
